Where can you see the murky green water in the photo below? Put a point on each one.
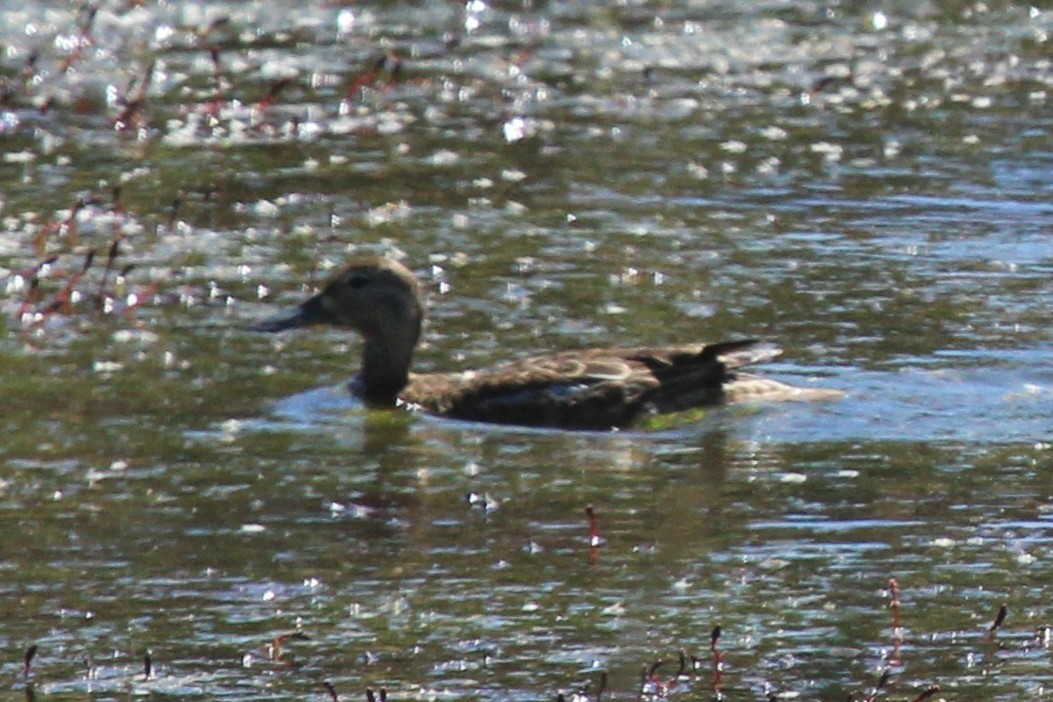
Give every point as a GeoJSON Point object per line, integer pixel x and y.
{"type": "Point", "coordinates": [867, 188]}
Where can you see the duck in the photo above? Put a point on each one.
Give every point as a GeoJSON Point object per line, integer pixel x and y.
{"type": "Point", "coordinates": [586, 389]}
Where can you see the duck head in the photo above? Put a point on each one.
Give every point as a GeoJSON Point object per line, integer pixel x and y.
{"type": "Point", "coordinates": [381, 300]}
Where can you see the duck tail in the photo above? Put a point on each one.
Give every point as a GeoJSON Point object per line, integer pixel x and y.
{"type": "Point", "coordinates": [734, 354]}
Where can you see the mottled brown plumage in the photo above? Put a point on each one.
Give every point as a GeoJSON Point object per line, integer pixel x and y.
{"type": "Point", "coordinates": [587, 389]}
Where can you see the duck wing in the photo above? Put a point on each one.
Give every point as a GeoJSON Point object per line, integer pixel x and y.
{"type": "Point", "coordinates": [589, 389]}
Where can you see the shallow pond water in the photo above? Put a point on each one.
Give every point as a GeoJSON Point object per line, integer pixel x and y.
{"type": "Point", "coordinates": [868, 188]}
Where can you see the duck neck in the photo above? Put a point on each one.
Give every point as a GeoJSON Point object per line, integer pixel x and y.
{"type": "Point", "coordinates": [385, 370]}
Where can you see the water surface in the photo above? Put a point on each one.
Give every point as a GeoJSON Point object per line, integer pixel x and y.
{"type": "Point", "coordinates": [867, 188]}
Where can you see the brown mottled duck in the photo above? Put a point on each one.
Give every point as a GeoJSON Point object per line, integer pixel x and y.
{"type": "Point", "coordinates": [598, 389]}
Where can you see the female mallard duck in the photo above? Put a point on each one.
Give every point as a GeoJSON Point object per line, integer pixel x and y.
{"type": "Point", "coordinates": [586, 389]}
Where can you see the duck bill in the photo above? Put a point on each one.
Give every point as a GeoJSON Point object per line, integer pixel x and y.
{"type": "Point", "coordinates": [308, 313]}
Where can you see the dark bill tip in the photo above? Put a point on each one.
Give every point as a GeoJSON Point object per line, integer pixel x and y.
{"type": "Point", "coordinates": [310, 312]}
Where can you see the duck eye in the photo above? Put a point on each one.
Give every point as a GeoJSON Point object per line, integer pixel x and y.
{"type": "Point", "coordinates": [357, 281]}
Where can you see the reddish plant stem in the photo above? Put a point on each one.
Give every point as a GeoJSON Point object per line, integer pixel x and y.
{"type": "Point", "coordinates": [928, 692]}
{"type": "Point", "coordinates": [1003, 612]}
{"type": "Point", "coordinates": [84, 38]}
{"type": "Point", "coordinates": [894, 602]}
{"type": "Point", "coordinates": [718, 658]}
{"type": "Point", "coordinates": [28, 661]}
{"type": "Point", "coordinates": [62, 301]}
{"type": "Point", "coordinates": [134, 102]}
{"type": "Point", "coordinates": [217, 82]}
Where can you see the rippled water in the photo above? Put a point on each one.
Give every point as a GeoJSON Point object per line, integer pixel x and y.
{"type": "Point", "coordinates": [867, 188]}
